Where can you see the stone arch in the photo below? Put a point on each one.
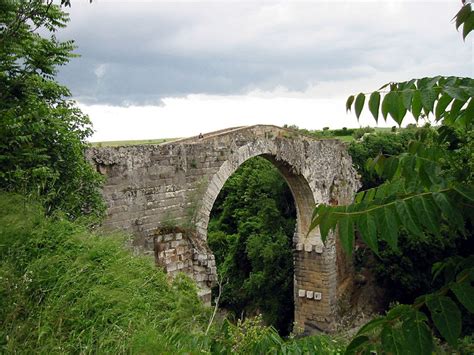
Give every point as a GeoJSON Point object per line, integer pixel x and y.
{"type": "Point", "coordinates": [152, 186]}
{"type": "Point", "coordinates": [303, 195]}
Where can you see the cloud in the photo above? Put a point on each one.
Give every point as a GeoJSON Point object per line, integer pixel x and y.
{"type": "Point", "coordinates": [140, 53]}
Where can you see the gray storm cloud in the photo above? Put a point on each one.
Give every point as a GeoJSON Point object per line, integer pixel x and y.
{"type": "Point", "coordinates": [141, 52]}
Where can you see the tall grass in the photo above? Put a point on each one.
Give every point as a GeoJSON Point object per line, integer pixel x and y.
{"type": "Point", "coordinates": [64, 290]}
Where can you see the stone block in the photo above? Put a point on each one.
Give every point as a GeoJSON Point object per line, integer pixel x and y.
{"type": "Point", "coordinates": [299, 246]}
{"type": "Point", "coordinates": [318, 296]}
{"type": "Point", "coordinates": [201, 277]}
{"type": "Point", "coordinates": [169, 253]}
{"type": "Point", "coordinates": [309, 294]}
{"type": "Point", "coordinates": [308, 247]}
{"type": "Point", "coordinates": [301, 293]}
{"type": "Point", "coordinates": [171, 267]}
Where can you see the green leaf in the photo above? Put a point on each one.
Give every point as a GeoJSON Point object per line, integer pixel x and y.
{"type": "Point", "coordinates": [443, 102]}
{"type": "Point", "coordinates": [399, 311]}
{"type": "Point", "coordinates": [320, 212]}
{"type": "Point", "coordinates": [465, 191]}
{"type": "Point", "coordinates": [349, 102]}
{"type": "Point", "coordinates": [388, 225]}
{"type": "Point", "coordinates": [383, 86]}
{"type": "Point", "coordinates": [451, 214]}
{"type": "Point", "coordinates": [394, 106]}
{"type": "Point", "coordinates": [374, 103]}
{"type": "Point", "coordinates": [416, 105]}
{"type": "Point", "coordinates": [446, 317]}
{"type": "Point", "coordinates": [428, 98]}
{"type": "Point", "coordinates": [427, 212]}
{"type": "Point", "coordinates": [377, 164]}
{"type": "Point", "coordinates": [462, 15]}
{"type": "Point", "coordinates": [328, 221]}
{"type": "Point", "coordinates": [407, 96]}
{"type": "Point", "coordinates": [468, 25]}
{"type": "Point", "coordinates": [417, 334]}
{"type": "Point", "coordinates": [390, 167]}
{"type": "Point", "coordinates": [392, 341]}
{"type": "Point", "coordinates": [359, 104]}
{"type": "Point", "coordinates": [346, 234]}
{"type": "Point", "coordinates": [372, 325]}
{"type": "Point", "coordinates": [454, 110]}
{"type": "Point", "coordinates": [385, 107]}
{"type": "Point", "coordinates": [465, 294]}
{"type": "Point", "coordinates": [356, 344]}
{"type": "Point", "coordinates": [368, 230]}
{"type": "Point", "coordinates": [407, 217]}
{"type": "Point", "coordinates": [469, 111]}
{"type": "Point", "coordinates": [456, 93]}
{"type": "Point", "coordinates": [428, 83]}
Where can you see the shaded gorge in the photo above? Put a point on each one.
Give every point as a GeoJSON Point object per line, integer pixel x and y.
{"type": "Point", "coordinates": [250, 232]}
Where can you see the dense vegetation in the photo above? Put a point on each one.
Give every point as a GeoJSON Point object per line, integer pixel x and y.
{"type": "Point", "coordinates": [43, 133]}
{"type": "Point", "coordinates": [64, 289]}
{"type": "Point", "coordinates": [426, 192]}
{"type": "Point", "coordinates": [250, 233]}
{"type": "Point", "coordinates": [405, 272]}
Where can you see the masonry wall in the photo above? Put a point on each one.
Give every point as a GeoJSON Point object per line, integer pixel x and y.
{"type": "Point", "coordinates": [153, 187]}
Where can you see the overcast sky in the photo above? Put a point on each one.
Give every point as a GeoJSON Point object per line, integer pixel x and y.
{"type": "Point", "coordinates": [154, 69]}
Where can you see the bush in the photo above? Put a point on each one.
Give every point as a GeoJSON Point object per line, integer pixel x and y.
{"type": "Point", "coordinates": [374, 144]}
{"type": "Point", "coordinates": [360, 132]}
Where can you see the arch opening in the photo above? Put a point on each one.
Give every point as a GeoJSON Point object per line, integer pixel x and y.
{"type": "Point", "coordinates": [261, 212]}
{"type": "Point", "coordinates": [251, 235]}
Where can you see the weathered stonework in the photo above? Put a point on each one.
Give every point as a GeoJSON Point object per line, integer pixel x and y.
{"type": "Point", "coordinates": [152, 187]}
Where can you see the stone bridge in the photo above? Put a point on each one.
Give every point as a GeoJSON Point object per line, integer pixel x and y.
{"type": "Point", "coordinates": [163, 195]}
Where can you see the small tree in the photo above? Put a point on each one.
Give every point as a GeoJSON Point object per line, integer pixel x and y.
{"type": "Point", "coordinates": [428, 187]}
{"type": "Point", "coordinates": [43, 134]}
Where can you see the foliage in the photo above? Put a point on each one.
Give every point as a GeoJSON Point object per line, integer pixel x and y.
{"type": "Point", "coordinates": [424, 189]}
{"type": "Point", "coordinates": [404, 273]}
{"type": "Point", "coordinates": [250, 233]}
{"type": "Point", "coordinates": [42, 132]}
{"type": "Point", "coordinates": [386, 143]}
{"type": "Point", "coordinates": [65, 290]}
{"type": "Point", "coordinates": [361, 132]}
{"type": "Point", "coordinates": [252, 337]}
